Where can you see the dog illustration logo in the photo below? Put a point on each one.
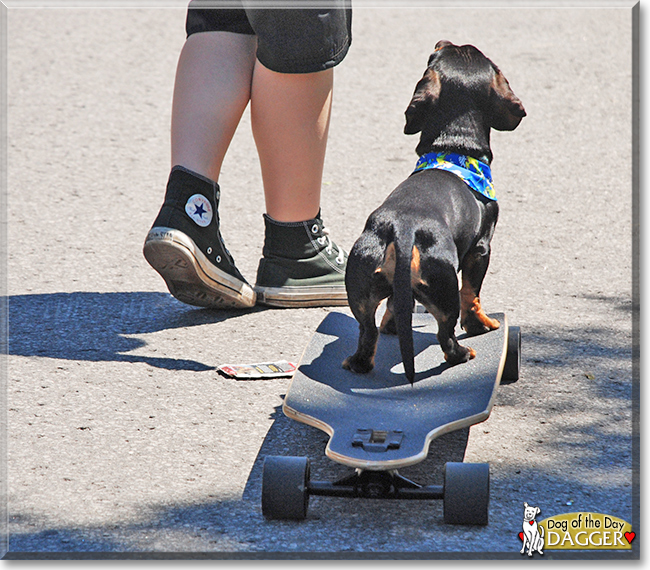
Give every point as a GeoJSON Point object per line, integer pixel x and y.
{"type": "Point", "coordinates": [532, 535]}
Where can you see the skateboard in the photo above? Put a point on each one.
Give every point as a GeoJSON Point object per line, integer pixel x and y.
{"type": "Point", "coordinates": [378, 422]}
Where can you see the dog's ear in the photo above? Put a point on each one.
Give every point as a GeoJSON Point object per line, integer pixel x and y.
{"type": "Point", "coordinates": [424, 99]}
{"type": "Point", "coordinates": [507, 109]}
{"type": "Point", "coordinates": [441, 44]}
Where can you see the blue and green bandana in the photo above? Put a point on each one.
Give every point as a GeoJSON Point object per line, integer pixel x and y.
{"type": "Point", "coordinates": [477, 175]}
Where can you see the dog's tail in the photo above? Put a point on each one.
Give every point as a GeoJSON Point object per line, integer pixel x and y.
{"type": "Point", "coordinates": [403, 299]}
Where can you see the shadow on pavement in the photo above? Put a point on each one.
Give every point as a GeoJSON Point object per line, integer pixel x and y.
{"type": "Point", "coordinates": [97, 326]}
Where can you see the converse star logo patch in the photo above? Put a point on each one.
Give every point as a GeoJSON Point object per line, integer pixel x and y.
{"type": "Point", "coordinates": [198, 208]}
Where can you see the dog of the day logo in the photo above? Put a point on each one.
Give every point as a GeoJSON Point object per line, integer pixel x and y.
{"type": "Point", "coordinates": [574, 531]}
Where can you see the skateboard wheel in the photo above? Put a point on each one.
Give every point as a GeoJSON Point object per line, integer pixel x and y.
{"type": "Point", "coordinates": [285, 487]}
{"type": "Point", "coordinates": [513, 356]}
{"type": "Point", "coordinates": [466, 494]}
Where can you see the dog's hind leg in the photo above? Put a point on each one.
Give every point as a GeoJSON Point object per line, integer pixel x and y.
{"type": "Point", "coordinates": [368, 287]}
{"type": "Point", "coordinates": [437, 290]}
{"type": "Point", "coordinates": [472, 316]}
{"type": "Point", "coordinates": [363, 360]}
{"type": "Point", "coordinates": [454, 352]}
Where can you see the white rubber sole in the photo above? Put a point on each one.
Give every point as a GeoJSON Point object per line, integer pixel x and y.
{"type": "Point", "coordinates": [290, 297]}
{"type": "Point", "coordinates": [189, 276]}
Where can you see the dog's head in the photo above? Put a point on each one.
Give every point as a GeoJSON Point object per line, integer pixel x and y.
{"type": "Point", "coordinates": [530, 512]}
{"type": "Point", "coordinates": [461, 95]}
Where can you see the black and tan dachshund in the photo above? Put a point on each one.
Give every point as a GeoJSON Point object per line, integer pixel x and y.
{"type": "Point", "coordinates": [436, 223]}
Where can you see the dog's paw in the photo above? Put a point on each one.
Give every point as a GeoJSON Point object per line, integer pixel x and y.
{"type": "Point", "coordinates": [474, 325]}
{"type": "Point", "coordinates": [465, 354]}
{"type": "Point", "coordinates": [358, 365]}
{"type": "Point", "coordinates": [474, 328]}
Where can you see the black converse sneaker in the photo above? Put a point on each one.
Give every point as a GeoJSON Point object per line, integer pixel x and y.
{"type": "Point", "coordinates": [301, 266]}
{"type": "Point", "coordinates": [185, 246]}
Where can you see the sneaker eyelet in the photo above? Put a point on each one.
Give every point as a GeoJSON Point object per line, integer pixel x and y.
{"type": "Point", "coordinates": [218, 259]}
{"type": "Point", "coordinates": [209, 250]}
{"type": "Point", "coordinates": [314, 229]}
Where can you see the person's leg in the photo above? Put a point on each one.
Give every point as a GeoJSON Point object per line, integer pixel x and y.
{"type": "Point", "coordinates": [212, 89]}
{"type": "Point", "coordinates": [290, 119]}
{"type": "Point", "coordinates": [184, 245]}
{"type": "Point", "coordinates": [291, 101]}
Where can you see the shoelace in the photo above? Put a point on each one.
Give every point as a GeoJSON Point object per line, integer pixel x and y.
{"type": "Point", "coordinates": [325, 239]}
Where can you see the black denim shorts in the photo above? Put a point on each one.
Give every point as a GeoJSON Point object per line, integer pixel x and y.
{"type": "Point", "coordinates": [289, 40]}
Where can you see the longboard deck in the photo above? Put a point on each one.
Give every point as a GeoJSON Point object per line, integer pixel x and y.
{"type": "Point", "coordinates": [379, 421]}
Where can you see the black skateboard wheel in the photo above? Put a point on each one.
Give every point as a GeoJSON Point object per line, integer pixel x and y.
{"type": "Point", "coordinates": [285, 487]}
{"type": "Point", "coordinates": [513, 356]}
{"type": "Point", "coordinates": [466, 494]}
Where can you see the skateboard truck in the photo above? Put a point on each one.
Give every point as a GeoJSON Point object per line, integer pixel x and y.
{"type": "Point", "coordinates": [286, 488]}
{"type": "Point", "coordinates": [377, 440]}
{"type": "Point", "coordinates": [375, 485]}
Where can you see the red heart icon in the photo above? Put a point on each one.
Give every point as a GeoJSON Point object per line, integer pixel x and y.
{"type": "Point", "coordinates": [521, 536]}
{"type": "Point", "coordinates": [531, 523]}
{"type": "Point", "coordinates": [630, 536]}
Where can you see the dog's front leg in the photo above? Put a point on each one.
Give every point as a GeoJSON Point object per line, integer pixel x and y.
{"type": "Point", "coordinates": [472, 316]}
{"type": "Point", "coordinates": [388, 325]}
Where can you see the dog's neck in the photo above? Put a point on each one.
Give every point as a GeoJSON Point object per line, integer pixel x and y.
{"type": "Point", "coordinates": [466, 133]}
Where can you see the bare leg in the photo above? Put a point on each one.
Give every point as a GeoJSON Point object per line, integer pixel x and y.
{"type": "Point", "coordinates": [212, 89]}
{"type": "Point", "coordinates": [290, 116]}
{"type": "Point", "coordinates": [218, 74]}
{"type": "Point", "coordinates": [216, 77]}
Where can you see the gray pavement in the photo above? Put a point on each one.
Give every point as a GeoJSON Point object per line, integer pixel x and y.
{"type": "Point", "coordinates": [123, 439]}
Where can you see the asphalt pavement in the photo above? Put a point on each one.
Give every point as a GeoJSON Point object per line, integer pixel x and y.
{"type": "Point", "coordinates": [124, 441]}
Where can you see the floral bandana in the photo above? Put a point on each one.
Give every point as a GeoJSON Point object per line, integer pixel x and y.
{"type": "Point", "coordinates": [475, 174]}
